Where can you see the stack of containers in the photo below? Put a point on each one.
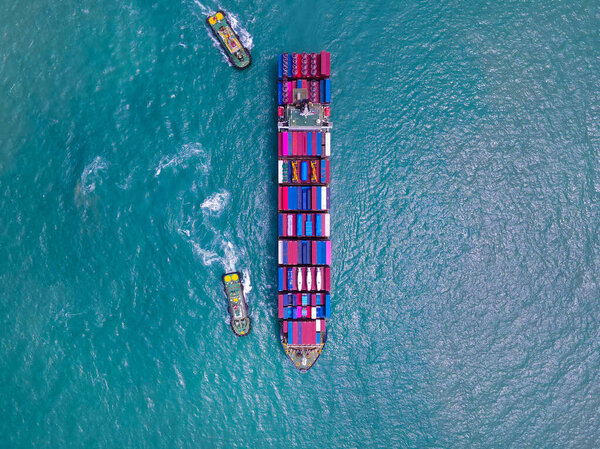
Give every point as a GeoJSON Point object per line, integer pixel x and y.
{"type": "Point", "coordinates": [304, 248]}
{"type": "Point", "coordinates": [310, 70]}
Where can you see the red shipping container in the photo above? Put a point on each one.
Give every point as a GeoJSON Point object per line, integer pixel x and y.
{"type": "Point", "coordinates": [318, 59]}
{"type": "Point", "coordinates": [297, 146]}
{"type": "Point", "coordinates": [279, 144]}
{"type": "Point", "coordinates": [285, 225]}
{"type": "Point", "coordinates": [280, 310]}
{"type": "Point", "coordinates": [280, 198]}
{"type": "Point", "coordinates": [325, 61]}
{"type": "Point", "coordinates": [309, 333]}
{"type": "Point", "coordinates": [291, 258]}
{"type": "Point", "coordinates": [298, 65]}
{"type": "Point", "coordinates": [285, 327]}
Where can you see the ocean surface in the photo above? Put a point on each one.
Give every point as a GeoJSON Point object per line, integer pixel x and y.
{"type": "Point", "coordinates": [136, 166]}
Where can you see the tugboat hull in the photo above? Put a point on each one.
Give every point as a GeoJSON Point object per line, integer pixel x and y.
{"type": "Point", "coordinates": [237, 305]}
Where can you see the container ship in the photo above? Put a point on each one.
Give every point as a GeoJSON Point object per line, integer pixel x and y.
{"type": "Point", "coordinates": [304, 246]}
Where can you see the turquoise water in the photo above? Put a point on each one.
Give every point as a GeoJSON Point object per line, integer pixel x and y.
{"type": "Point", "coordinates": [136, 166]}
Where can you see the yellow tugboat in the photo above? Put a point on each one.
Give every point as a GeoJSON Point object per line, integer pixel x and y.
{"type": "Point", "coordinates": [238, 308]}
{"type": "Point", "coordinates": [236, 52]}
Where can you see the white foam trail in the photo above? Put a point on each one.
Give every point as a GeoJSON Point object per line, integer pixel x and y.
{"type": "Point", "coordinates": [216, 202]}
{"type": "Point", "coordinates": [91, 174]}
{"type": "Point", "coordinates": [242, 32]}
{"type": "Point", "coordinates": [231, 258]}
{"type": "Point", "coordinates": [183, 157]}
{"type": "Point", "coordinates": [208, 257]}
{"type": "Point", "coordinates": [246, 281]}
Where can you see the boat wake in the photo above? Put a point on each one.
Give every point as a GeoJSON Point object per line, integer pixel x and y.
{"type": "Point", "coordinates": [230, 259]}
{"type": "Point", "coordinates": [246, 281]}
{"type": "Point", "coordinates": [242, 32]}
{"type": "Point", "coordinates": [207, 256]}
{"type": "Point", "coordinates": [225, 254]}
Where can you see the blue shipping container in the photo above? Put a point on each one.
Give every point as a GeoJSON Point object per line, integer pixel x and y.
{"type": "Point", "coordinates": [280, 66]}
{"type": "Point", "coordinates": [279, 93]}
{"type": "Point", "coordinates": [318, 225]}
{"type": "Point", "coordinates": [327, 91]}
{"type": "Point", "coordinates": [318, 144]}
{"type": "Point", "coordinates": [280, 270]}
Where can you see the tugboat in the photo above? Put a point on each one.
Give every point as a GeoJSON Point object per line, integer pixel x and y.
{"type": "Point", "coordinates": [237, 54]}
{"type": "Point", "coordinates": [238, 308]}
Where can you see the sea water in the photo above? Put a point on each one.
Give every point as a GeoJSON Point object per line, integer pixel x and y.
{"type": "Point", "coordinates": [137, 166]}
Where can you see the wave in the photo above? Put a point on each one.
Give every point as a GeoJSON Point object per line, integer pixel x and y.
{"type": "Point", "coordinates": [179, 376]}
{"type": "Point", "coordinates": [204, 9]}
{"type": "Point", "coordinates": [216, 202]}
{"type": "Point", "coordinates": [92, 174]}
{"type": "Point", "coordinates": [182, 159]}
